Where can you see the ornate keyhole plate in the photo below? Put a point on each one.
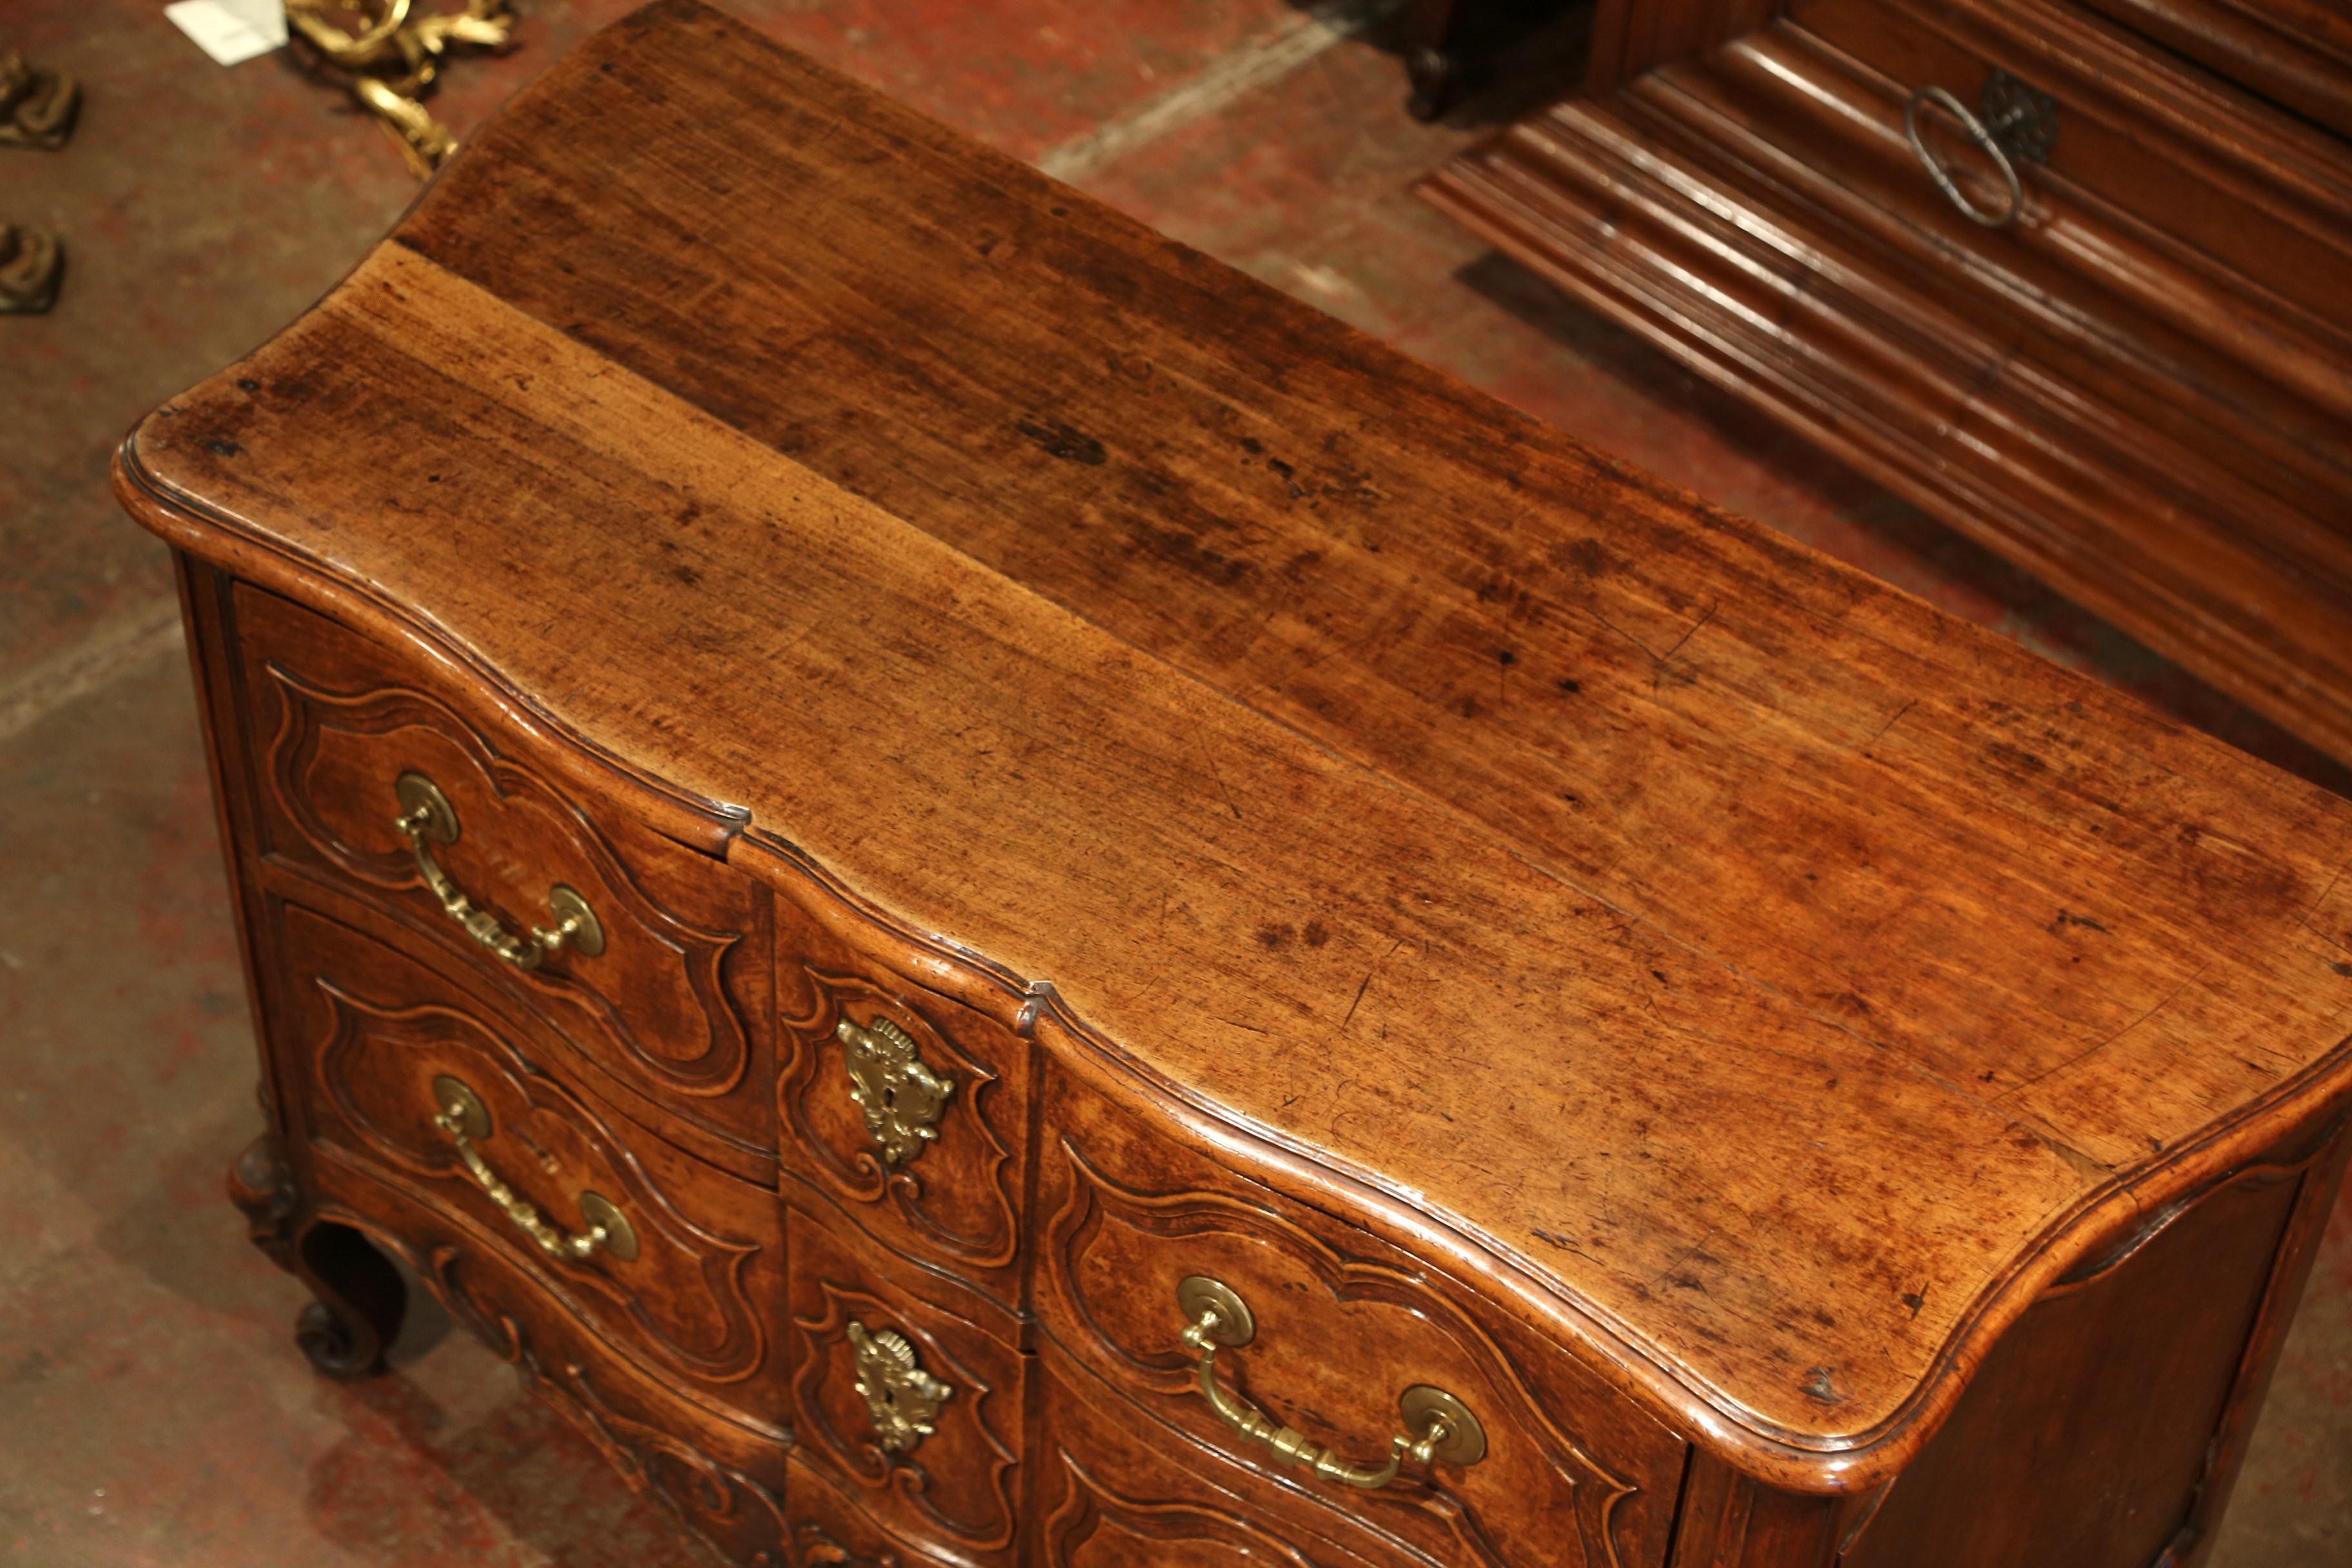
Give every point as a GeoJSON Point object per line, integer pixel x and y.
{"type": "Point", "coordinates": [901, 1097]}
{"type": "Point", "coordinates": [901, 1399]}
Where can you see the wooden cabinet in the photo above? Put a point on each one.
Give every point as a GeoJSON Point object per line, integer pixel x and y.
{"type": "Point", "coordinates": [1206, 948]}
{"type": "Point", "coordinates": [2069, 274]}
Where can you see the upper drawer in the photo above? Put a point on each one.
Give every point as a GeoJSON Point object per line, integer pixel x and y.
{"type": "Point", "coordinates": [1340, 1338]}
{"type": "Point", "coordinates": [904, 1086]}
{"type": "Point", "coordinates": [674, 1004]}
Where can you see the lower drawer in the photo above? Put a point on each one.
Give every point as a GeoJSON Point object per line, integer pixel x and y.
{"type": "Point", "coordinates": [827, 1529]}
{"type": "Point", "coordinates": [909, 1390]}
{"type": "Point", "coordinates": [374, 1050]}
{"type": "Point", "coordinates": [1116, 1489]}
{"type": "Point", "coordinates": [724, 1478]}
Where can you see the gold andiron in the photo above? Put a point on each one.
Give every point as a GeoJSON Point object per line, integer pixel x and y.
{"type": "Point", "coordinates": [389, 55]}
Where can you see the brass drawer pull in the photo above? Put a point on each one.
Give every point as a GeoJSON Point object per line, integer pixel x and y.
{"type": "Point", "coordinates": [2017, 124]}
{"type": "Point", "coordinates": [1437, 1425]}
{"type": "Point", "coordinates": [427, 818]}
{"type": "Point", "coordinates": [467, 1120]}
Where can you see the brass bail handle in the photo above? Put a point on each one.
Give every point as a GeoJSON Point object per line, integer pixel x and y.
{"type": "Point", "coordinates": [1437, 1425]}
{"type": "Point", "coordinates": [466, 1120]}
{"type": "Point", "coordinates": [427, 818]}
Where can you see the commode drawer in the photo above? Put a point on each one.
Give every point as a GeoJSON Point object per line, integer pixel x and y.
{"type": "Point", "coordinates": [908, 1391]}
{"type": "Point", "coordinates": [1334, 1357]}
{"type": "Point", "coordinates": [904, 1087]}
{"type": "Point", "coordinates": [416, 1077]}
{"type": "Point", "coordinates": [369, 776]}
{"type": "Point", "coordinates": [1114, 1490]}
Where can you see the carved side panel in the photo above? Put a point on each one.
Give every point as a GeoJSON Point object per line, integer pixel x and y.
{"type": "Point", "coordinates": [380, 1030]}
{"type": "Point", "coordinates": [957, 1484]}
{"type": "Point", "coordinates": [674, 1006]}
{"type": "Point", "coordinates": [1114, 1490]}
{"type": "Point", "coordinates": [1345, 1323]}
{"type": "Point", "coordinates": [954, 1198]}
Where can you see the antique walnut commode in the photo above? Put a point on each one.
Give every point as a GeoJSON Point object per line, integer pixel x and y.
{"type": "Point", "coordinates": [992, 896]}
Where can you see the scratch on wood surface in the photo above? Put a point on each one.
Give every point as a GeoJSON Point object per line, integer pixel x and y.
{"type": "Point", "coordinates": [1883, 729]}
{"type": "Point", "coordinates": [2303, 916]}
{"type": "Point", "coordinates": [1366, 983]}
{"type": "Point", "coordinates": [2162, 1003]}
{"type": "Point", "coordinates": [1696, 627]}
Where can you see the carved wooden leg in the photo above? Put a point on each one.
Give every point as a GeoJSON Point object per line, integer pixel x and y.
{"type": "Point", "coordinates": [359, 1297]}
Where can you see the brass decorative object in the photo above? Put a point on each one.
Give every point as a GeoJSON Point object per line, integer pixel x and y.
{"type": "Point", "coordinates": [1437, 1425]}
{"type": "Point", "coordinates": [901, 1398]}
{"type": "Point", "coordinates": [467, 1120]}
{"type": "Point", "coordinates": [30, 265]}
{"type": "Point", "coordinates": [37, 105]}
{"type": "Point", "coordinates": [902, 1099]}
{"type": "Point", "coordinates": [427, 818]}
{"type": "Point", "coordinates": [389, 55]}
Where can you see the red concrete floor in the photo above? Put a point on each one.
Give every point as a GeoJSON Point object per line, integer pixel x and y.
{"type": "Point", "coordinates": [152, 1409]}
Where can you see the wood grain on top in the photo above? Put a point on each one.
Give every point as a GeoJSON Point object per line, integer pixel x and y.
{"type": "Point", "coordinates": [1785, 974]}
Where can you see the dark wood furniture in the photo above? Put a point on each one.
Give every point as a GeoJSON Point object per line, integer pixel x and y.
{"type": "Point", "coordinates": [995, 773]}
{"type": "Point", "coordinates": [2139, 388]}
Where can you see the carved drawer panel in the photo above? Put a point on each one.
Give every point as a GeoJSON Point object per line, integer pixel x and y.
{"type": "Point", "coordinates": [905, 1086]}
{"type": "Point", "coordinates": [907, 1390]}
{"type": "Point", "coordinates": [1114, 1490]}
{"type": "Point", "coordinates": [722, 1475]}
{"type": "Point", "coordinates": [664, 988]}
{"type": "Point", "coordinates": [419, 1079]}
{"type": "Point", "coordinates": [827, 1531]}
{"type": "Point", "coordinates": [1331, 1341]}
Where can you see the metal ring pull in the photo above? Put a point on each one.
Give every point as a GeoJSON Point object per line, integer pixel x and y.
{"type": "Point", "coordinates": [2014, 123]}
{"type": "Point", "coordinates": [1437, 1425]}
{"type": "Point", "coordinates": [427, 818]}
{"type": "Point", "coordinates": [465, 1119]}
{"type": "Point", "coordinates": [1978, 134]}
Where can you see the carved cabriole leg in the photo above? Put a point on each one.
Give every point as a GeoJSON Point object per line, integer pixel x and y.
{"type": "Point", "coordinates": [359, 1298]}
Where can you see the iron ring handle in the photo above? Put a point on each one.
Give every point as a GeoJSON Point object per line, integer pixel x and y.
{"type": "Point", "coordinates": [1437, 1425]}
{"type": "Point", "coordinates": [427, 818]}
{"type": "Point", "coordinates": [1984, 138]}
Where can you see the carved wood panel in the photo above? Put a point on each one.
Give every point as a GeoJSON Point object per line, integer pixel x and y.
{"type": "Point", "coordinates": [675, 1005]}
{"type": "Point", "coordinates": [378, 1032]}
{"type": "Point", "coordinates": [828, 1531]}
{"type": "Point", "coordinates": [723, 1479]}
{"type": "Point", "coordinates": [1114, 1489]}
{"type": "Point", "coordinates": [1345, 1323]}
{"type": "Point", "coordinates": [956, 1199]}
{"type": "Point", "coordinates": [956, 1485]}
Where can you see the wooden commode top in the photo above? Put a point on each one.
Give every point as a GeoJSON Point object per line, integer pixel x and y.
{"type": "Point", "coordinates": [1745, 976]}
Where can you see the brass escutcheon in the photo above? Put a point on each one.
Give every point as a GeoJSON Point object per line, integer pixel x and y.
{"type": "Point", "coordinates": [901, 1097]}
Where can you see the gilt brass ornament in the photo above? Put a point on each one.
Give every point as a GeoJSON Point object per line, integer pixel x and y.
{"type": "Point", "coordinates": [37, 105]}
{"type": "Point", "coordinates": [389, 55]}
{"type": "Point", "coordinates": [901, 1398]}
{"type": "Point", "coordinates": [902, 1099]}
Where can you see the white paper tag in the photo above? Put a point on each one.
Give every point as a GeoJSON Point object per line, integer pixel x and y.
{"type": "Point", "coordinates": [231, 30]}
